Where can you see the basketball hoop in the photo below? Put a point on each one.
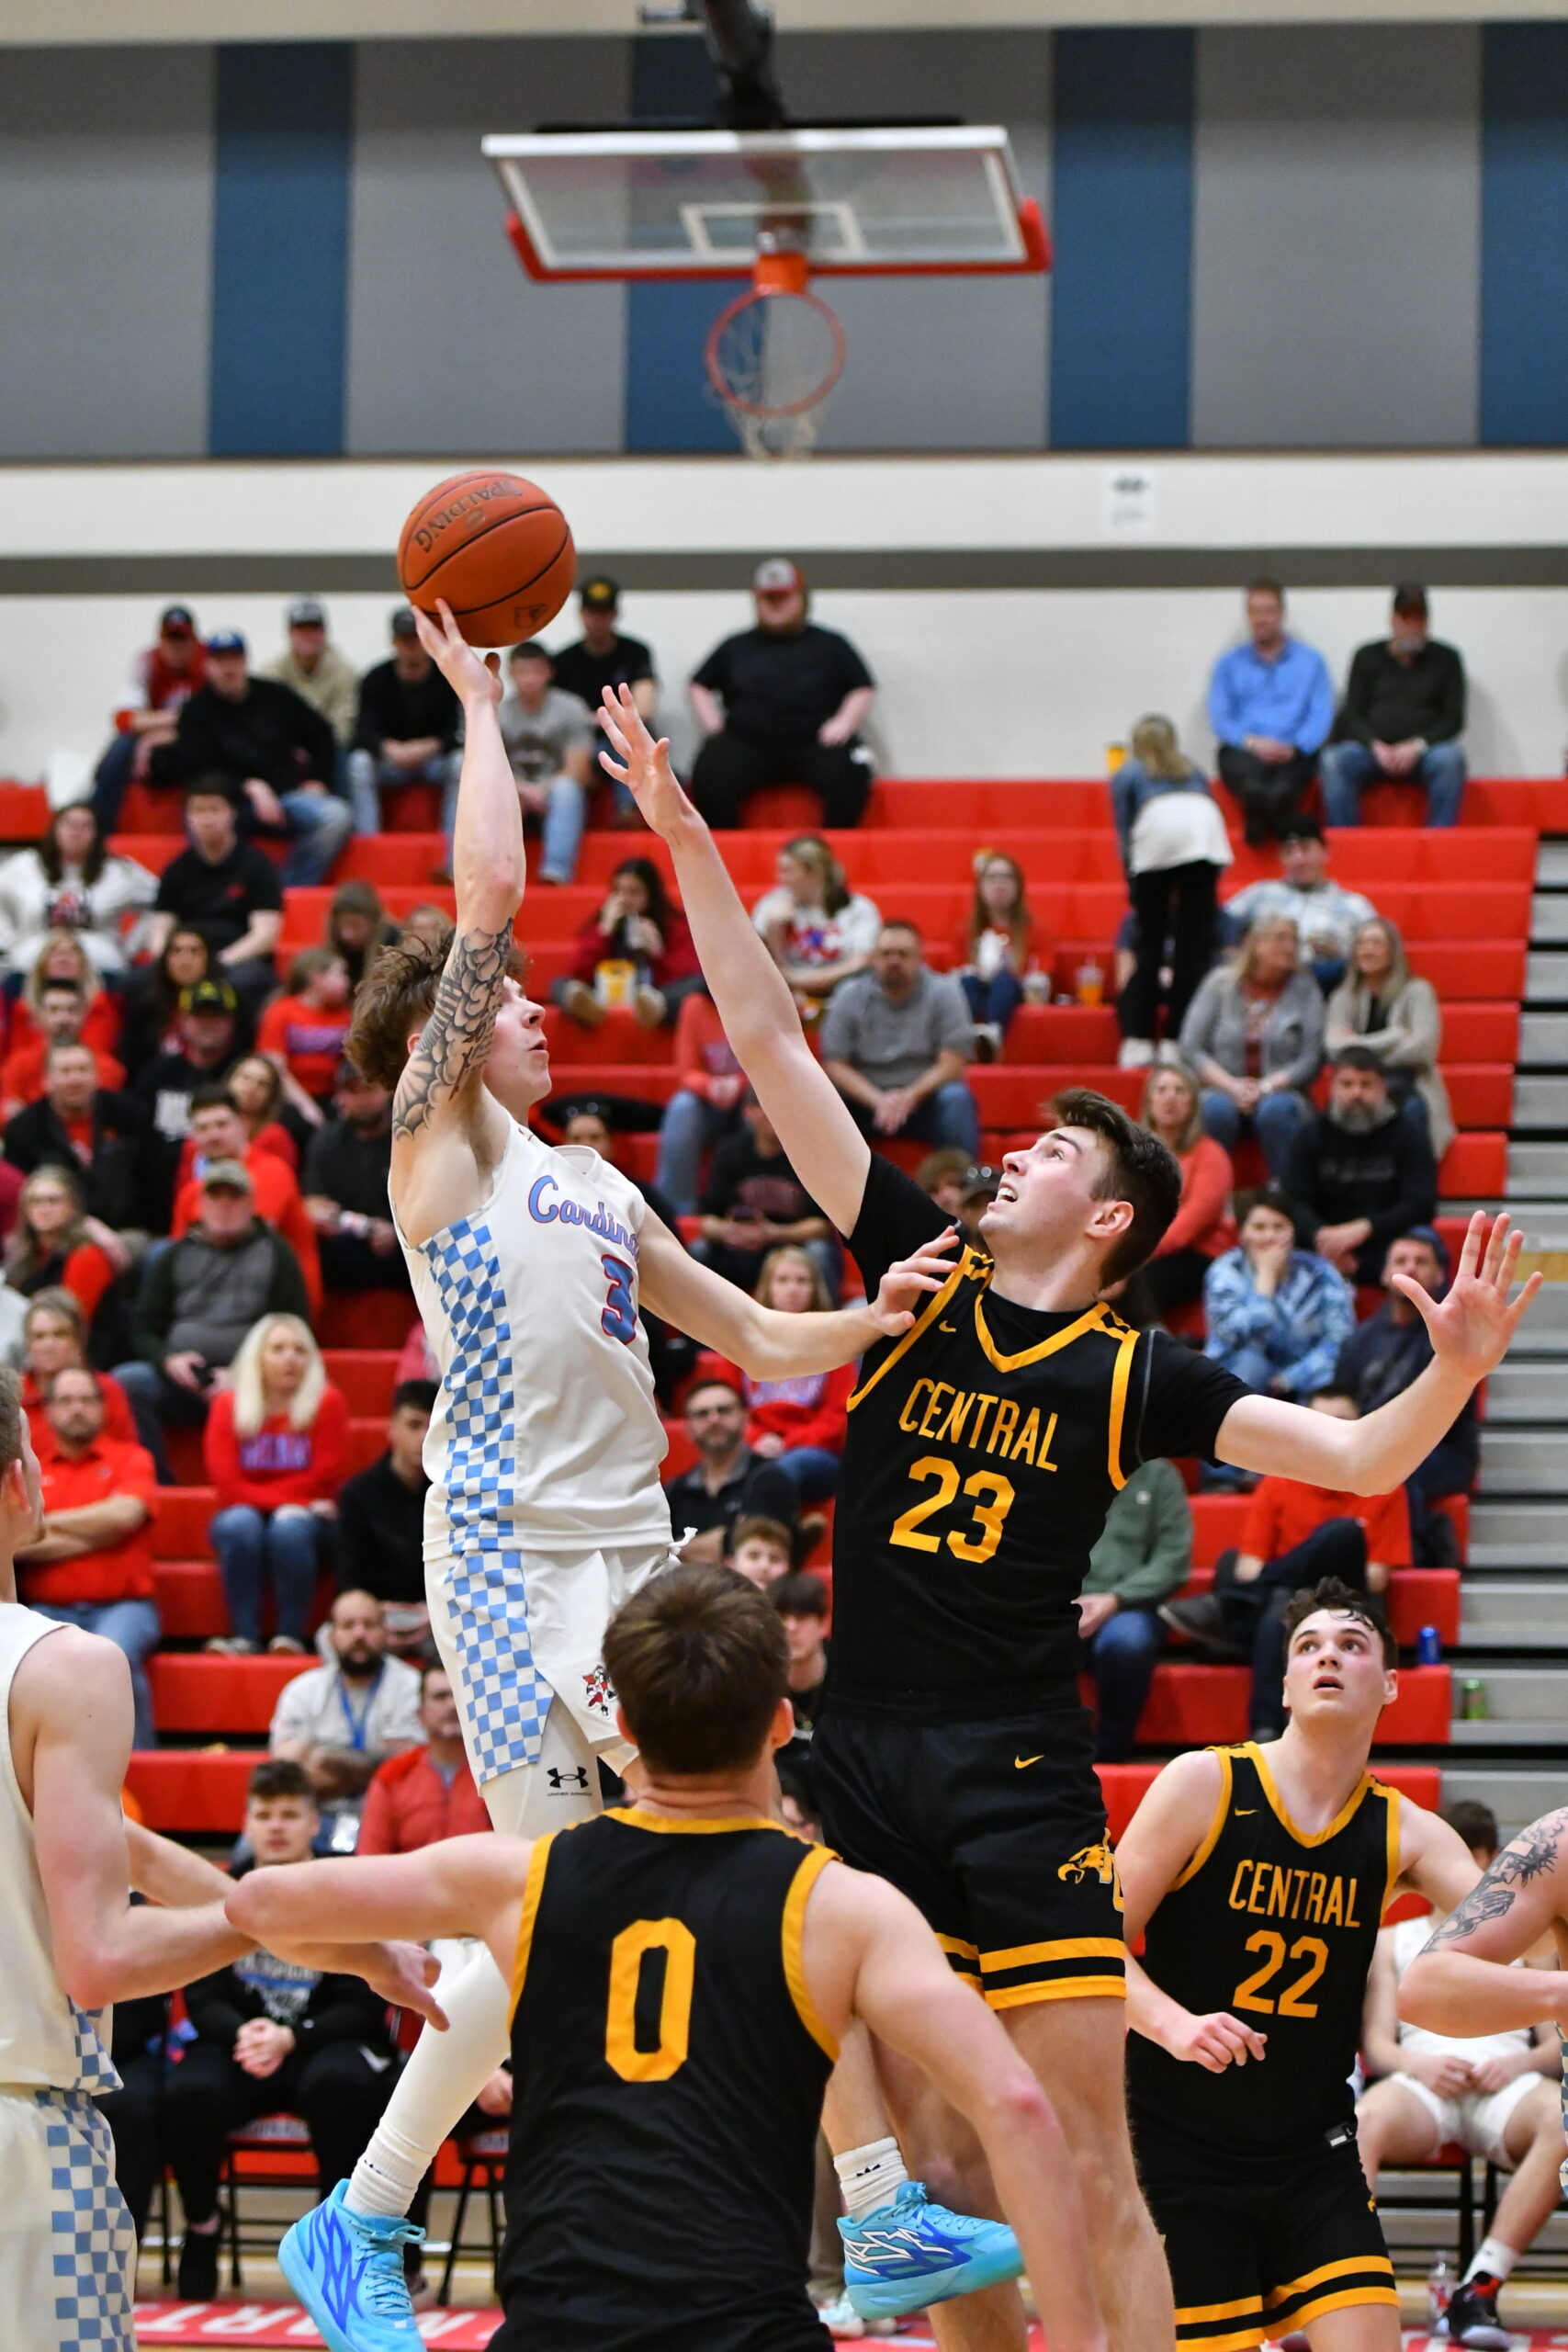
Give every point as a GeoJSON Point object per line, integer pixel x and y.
{"type": "Point", "coordinates": [775, 355]}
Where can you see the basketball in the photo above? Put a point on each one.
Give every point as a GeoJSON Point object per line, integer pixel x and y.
{"type": "Point", "coordinates": [497, 547]}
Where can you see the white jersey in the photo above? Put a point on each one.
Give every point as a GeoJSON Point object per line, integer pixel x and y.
{"type": "Point", "coordinates": [45, 2040]}
{"type": "Point", "coordinates": [545, 1434]}
{"type": "Point", "coordinates": [1411, 1936]}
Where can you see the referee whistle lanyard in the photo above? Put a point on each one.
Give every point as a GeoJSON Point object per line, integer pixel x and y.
{"type": "Point", "coordinates": [359, 1724]}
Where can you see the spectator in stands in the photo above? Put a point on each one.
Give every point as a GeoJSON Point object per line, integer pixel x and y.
{"type": "Point", "coordinates": [302, 1033]}
{"type": "Point", "coordinates": [754, 1204]}
{"type": "Point", "coordinates": [943, 1177]}
{"type": "Point", "coordinates": [409, 727]}
{"type": "Point", "coordinates": [705, 1107]}
{"type": "Point", "coordinates": [273, 752]}
{"type": "Point", "coordinates": [346, 1172]}
{"type": "Point", "coordinates": [1277, 1313]}
{"type": "Point", "coordinates": [317, 671]}
{"type": "Point", "coordinates": [199, 1297]}
{"type": "Point", "coordinates": [256, 1089]}
{"type": "Point", "coordinates": [895, 1043]}
{"type": "Point", "coordinates": [227, 890]}
{"type": "Point", "coordinates": [427, 1793]}
{"type": "Point", "coordinates": [1174, 850]}
{"type": "Point", "coordinates": [782, 703]}
{"type": "Point", "coordinates": [997, 947]}
{"type": "Point", "coordinates": [218, 1132]}
{"type": "Point", "coordinates": [798, 1425]}
{"type": "Point", "coordinates": [1202, 1227]}
{"type": "Point", "coordinates": [821, 932]}
{"type": "Point", "coordinates": [98, 1134]}
{"type": "Point", "coordinates": [603, 657]}
{"type": "Point", "coordinates": [272, 2034]}
{"type": "Point", "coordinates": [1382, 1005]}
{"type": "Point", "coordinates": [274, 1447]}
{"type": "Point", "coordinates": [341, 1721]}
{"type": "Point", "coordinates": [1402, 718]}
{"type": "Point", "coordinates": [207, 1043]}
{"type": "Point", "coordinates": [1294, 1535]}
{"type": "Point", "coordinates": [1270, 706]}
{"type": "Point", "coordinates": [977, 1190]}
{"type": "Point", "coordinates": [636, 951]}
{"type": "Point", "coordinates": [1254, 1034]}
{"type": "Point", "coordinates": [550, 739]}
{"type": "Point", "coordinates": [1382, 1357]}
{"type": "Point", "coordinates": [381, 1522]}
{"type": "Point", "coordinates": [727, 1481]}
{"type": "Point", "coordinates": [1144, 1555]}
{"type": "Point", "coordinates": [1359, 1174]}
{"type": "Point", "coordinates": [91, 1564]}
{"type": "Point", "coordinates": [359, 927]}
{"type": "Point", "coordinates": [153, 999]}
{"type": "Point", "coordinates": [52, 1244]}
{"type": "Point", "coordinates": [802, 1602]}
{"type": "Point", "coordinates": [427, 921]}
{"type": "Point", "coordinates": [55, 1336]}
{"type": "Point", "coordinates": [1326, 914]}
{"type": "Point", "coordinates": [163, 679]}
{"type": "Point", "coordinates": [761, 1550]}
{"type": "Point", "coordinates": [61, 999]}
{"type": "Point", "coordinates": [70, 882]}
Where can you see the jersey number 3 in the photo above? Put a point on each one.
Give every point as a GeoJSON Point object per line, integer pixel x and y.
{"type": "Point", "coordinates": [992, 1499]}
{"type": "Point", "coordinates": [627, 1954]}
{"type": "Point", "coordinates": [619, 1318]}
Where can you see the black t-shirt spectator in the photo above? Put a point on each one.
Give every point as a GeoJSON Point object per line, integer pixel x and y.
{"type": "Point", "coordinates": [111, 1179]}
{"type": "Point", "coordinates": [401, 711]}
{"type": "Point", "coordinates": [344, 1166]}
{"type": "Point", "coordinates": [271, 732]}
{"type": "Point", "coordinates": [1391, 701]}
{"type": "Point", "coordinates": [782, 689]}
{"type": "Point", "coordinates": [742, 1184]}
{"type": "Point", "coordinates": [380, 1534]}
{"type": "Point", "coordinates": [758, 1488]}
{"type": "Point", "coordinates": [579, 671]}
{"type": "Point", "coordinates": [219, 900]}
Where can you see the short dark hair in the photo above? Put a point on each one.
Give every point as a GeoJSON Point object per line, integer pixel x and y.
{"type": "Point", "coordinates": [1140, 1169]}
{"type": "Point", "coordinates": [799, 1595]}
{"type": "Point", "coordinates": [1340, 1601]}
{"type": "Point", "coordinates": [58, 1046]}
{"type": "Point", "coordinates": [1261, 1196]}
{"type": "Point", "coordinates": [1410, 603]}
{"type": "Point", "coordinates": [1474, 1822]}
{"type": "Point", "coordinates": [1359, 1057]}
{"type": "Point", "coordinates": [1264, 586]}
{"type": "Point", "coordinates": [211, 786]}
{"type": "Point", "coordinates": [432, 1666]}
{"type": "Point", "coordinates": [753, 1527]}
{"type": "Point", "coordinates": [212, 1098]}
{"type": "Point", "coordinates": [709, 1380]}
{"type": "Point", "coordinates": [415, 1396]}
{"type": "Point", "coordinates": [532, 651]}
{"type": "Point", "coordinates": [280, 1776]}
{"type": "Point", "coordinates": [900, 922]}
{"type": "Point", "coordinates": [699, 1661]}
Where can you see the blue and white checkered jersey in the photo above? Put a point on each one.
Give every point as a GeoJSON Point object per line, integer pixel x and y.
{"type": "Point", "coordinates": [546, 1435]}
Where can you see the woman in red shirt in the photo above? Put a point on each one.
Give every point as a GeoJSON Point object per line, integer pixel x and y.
{"type": "Point", "coordinates": [51, 1244]}
{"type": "Point", "coordinates": [798, 1424]}
{"type": "Point", "coordinates": [274, 1445]}
{"type": "Point", "coordinates": [302, 1033]}
{"type": "Point", "coordinates": [1203, 1227]}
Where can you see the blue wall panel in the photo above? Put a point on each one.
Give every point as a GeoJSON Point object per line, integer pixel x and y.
{"type": "Point", "coordinates": [1122, 225]}
{"type": "Point", "coordinates": [670, 405]}
{"type": "Point", "coordinates": [280, 248]}
{"type": "Point", "coordinates": [1524, 235]}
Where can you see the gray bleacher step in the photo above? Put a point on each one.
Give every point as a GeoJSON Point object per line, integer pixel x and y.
{"type": "Point", "coordinates": [1548, 919]}
{"type": "Point", "coordinates": [1546, 978]}
{"type": "Point", "coordinates": [1524, 1461]}
{"type": "Point", "coordinates": [1544, 1224]}
{"type": "Point", "coordinates": [1523, 1732]}
{"type": "Point", "coordinates": [1544, 1331]}
{"type": "Point", "coordinates": [1536, 1694]}
{"type": "Point", "coordinates": [1543, 1041]}
{"type": "Point", "coordinates": [1541, 1104]}
{"type": "Point", "coordinates": [1528, 1612]}
{"type": "Point", "coordinates": [1518, 1536]}
{"type": "Point", "coordinates": [1522, 1391]}
{"type": "Point", "coordinates": [1516, 1793]}
{"type": "Point", "coordinates": [1551, 865]}
{"type": "Point", "coordinates": [1537, 1171]}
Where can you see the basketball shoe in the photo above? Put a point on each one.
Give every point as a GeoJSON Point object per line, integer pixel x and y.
{"type": "Point", "coordinates": [912, 2253]}
{"type": "Point", "coordinates": [347, 2270]}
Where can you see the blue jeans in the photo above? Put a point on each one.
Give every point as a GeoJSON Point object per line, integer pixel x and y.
{"type": "Point", "coordinates": [1276, 1118]}
{"type": "Point", "coordinates": [1345, 770]}
{"type": "Point", "coordinates": [133, 1626]}
{"type": "Point", "coordinates": [561, 830]}
{"type": "Point", "coordinates": [369, 776]}
{"type": "Point", "coordinates": [947, 1120]}
{"type": "Point", "coordinates": [318, 824]}
{"type": "Point", "coordinates": [253, 1544]}
{"type": "Point", "coordinates": [813, 1470]}
{"type": "Point", "coordinates": [111, 780]}
{"type": "Point", "coordinates": [997, 999]}
{"type": "Point", "coordinates": [690, 1124]}
{"type": "Point", "coordinates": [1122, 1658]}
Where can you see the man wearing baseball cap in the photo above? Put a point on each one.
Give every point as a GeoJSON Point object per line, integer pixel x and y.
{"type": "Point", "coordinates": [317, 671]}
{"type": "Point", "coordinates": [603, 657]}
{"type": "Point", "coordinates": [782, 703]}
{"type": "Point", "coordinates": [160, 681]}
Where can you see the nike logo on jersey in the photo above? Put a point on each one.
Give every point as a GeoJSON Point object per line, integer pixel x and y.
{"type": "Point", "coordinates": [947, 1327]}
{"type": "Point", "coordinates": [1243, 1811]}
{"type": "Point", "coordinates": [1021, 1763]}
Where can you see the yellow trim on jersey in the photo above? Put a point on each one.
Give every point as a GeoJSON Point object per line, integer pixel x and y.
{"type": "Point", "coordinates": [1378, 2262]}
{"type": "Point", "coordinates": [533, 1888]}
{"type": "Point", "coordinates": [1093, 1320]}
{"type": "Point", "coordinates": [816, 1861]}
{"type": "Point", "coordinates": [1062, 1947]}
{"type": "Point", "coordinates": [635, 1816]}
{"type": "Point", "coordinates": [1391, 1798]}
{"type": "Point", "coordinates": [1304, 1836]}
{"type": "Point", "coordinates": [1120, 1377]}
{"type": "Point", "coordinates": [933, 1306]}
{"type": "Point", "coordinates": [1245, 2339]}
{"type": "Point", "coordinates": [1057, 1988]}
{"type": "Point", "coordinates": [1217, 1821]}
{"type": "Point", "coordinates": [959, 1948]}
{"type": "Point", "coordinates": [1243, 2307]}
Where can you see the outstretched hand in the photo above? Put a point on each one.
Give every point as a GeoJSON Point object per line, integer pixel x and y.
{"type": "Point", "coordinates": [403, 1974]}
{"type": "Point", "coordinates": [905, 1284]}
{"type": "Point", "coordinates": [1473, 1323]}
{"type": "Point", "coordinates": [470, 674]}
{"type": "Point", "coordinates": [644, 765]}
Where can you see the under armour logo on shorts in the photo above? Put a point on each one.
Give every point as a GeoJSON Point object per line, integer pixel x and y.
{"type": "Point", "coordinates": [568, 1776]}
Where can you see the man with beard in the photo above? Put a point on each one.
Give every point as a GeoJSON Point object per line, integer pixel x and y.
{"type": "Point", "coordinates": [1359, 1173]}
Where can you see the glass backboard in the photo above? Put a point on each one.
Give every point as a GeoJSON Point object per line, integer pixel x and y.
{"type": "Point", "coordinates": [882, 202]}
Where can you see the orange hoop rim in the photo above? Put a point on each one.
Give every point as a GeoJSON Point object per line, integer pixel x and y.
{"type": "Point", "coordinates": [777, 275]}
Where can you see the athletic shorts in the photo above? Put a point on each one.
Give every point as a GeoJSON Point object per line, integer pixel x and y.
{"type": "Point", "coordinates": [1478, 2121]}
{"type": "Point", "coordinates": [996, 1831]}
{"type": "Point", "coordinates": [1258, 2247]}
{"type": "Point", "coordinates": [67, 2249]}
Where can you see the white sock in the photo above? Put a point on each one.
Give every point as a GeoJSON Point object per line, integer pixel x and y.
{"type": "Point", "coordinates": [1494, 2257]}
{"type": "Point", "coordinates": [870, 2177]}
{"type": "Point", "coordinates": [443, 2076]}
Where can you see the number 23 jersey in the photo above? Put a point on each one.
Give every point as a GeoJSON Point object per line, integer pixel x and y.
{"type": "Point", "coordinates": [984, 1450]}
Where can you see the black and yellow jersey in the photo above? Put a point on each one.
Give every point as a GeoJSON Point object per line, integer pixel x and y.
{"type": "Point", "coordinates": [984, 1448]}
{"type": "Point", "coordinates": [1278, 1925]}
{"type": "Point", "coordinates": [668, 2072]}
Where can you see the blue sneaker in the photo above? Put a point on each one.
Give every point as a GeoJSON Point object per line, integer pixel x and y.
{"type": "Point", "coordinates": [347, 2270]}
{"type": "Point", "coordinates": [912, 2252]}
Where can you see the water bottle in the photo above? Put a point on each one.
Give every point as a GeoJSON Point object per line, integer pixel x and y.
{"type": "Point", "coordinates": [1440, 2294]}
{"type": "Point", "coordinates": [1428, 1647]}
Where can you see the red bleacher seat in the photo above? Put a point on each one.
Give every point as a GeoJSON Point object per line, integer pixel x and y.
{"type": "Point", "coordinates": [193, 1794]}
{"type": "Point", "coordinates": [1417, 1597]}
{"type": "Point", "coordinates": [365, 1375]}
{"type": "Point", "coordinates": [189, 1594]}
{"type": "Point", "coordinates": [365, 1318]}
{"type": "Point", "coordinates": [180, 1524]}
{"type": "Point", "coordinates": [1191, 1706]}
{"type": "Point", "coordinates": [219, 1696]}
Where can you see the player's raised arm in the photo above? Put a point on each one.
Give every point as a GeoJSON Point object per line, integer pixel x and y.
{"type": "Point", "coordinates": [1470, 1327]}
{"type": "Point", "coordinates": [1165, 1832]}
{"type": "Point", "coordinates": [826, 1148]}
{"type": "Point", "coordinates": [1465, 1983]}
{"type": "Point", "coordinates": [462, 1887]}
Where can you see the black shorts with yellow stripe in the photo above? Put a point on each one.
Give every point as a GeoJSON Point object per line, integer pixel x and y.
{"type": "Point", "coordinates": [994, 1829]}
{"type": "Point", "coordinates": [1259, 2245]}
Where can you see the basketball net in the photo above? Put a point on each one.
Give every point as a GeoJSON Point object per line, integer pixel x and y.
{"type": "Point", "coordinates": [773, 356]}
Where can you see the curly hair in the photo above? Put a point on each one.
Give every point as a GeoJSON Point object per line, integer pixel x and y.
{"type": "Point", "coordinates": [393, 1002]}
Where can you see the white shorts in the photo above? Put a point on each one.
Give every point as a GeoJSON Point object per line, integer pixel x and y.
{"type": "Point", "coordinates": [1476, 2121]}
{"type": "Point", "coordinates": [67, 2249]}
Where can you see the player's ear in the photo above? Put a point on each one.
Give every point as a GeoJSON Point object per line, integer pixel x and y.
{"type": "Point", "coordinates": [782, 1728]}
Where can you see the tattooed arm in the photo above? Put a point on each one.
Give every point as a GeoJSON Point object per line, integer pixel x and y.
{"type": "Point", "coordinates": [1464, 1982]}
{"type": "Point", "coordinates": [447, 1132]}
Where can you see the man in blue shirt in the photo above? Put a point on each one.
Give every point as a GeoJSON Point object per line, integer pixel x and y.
{"type": "Point", "coordinates": [1270, 706]}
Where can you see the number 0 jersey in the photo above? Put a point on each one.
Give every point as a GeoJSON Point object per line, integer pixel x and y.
{"type": "Point", "coordinates": [668, 2072]}
{"type": "Point", "coordinates": [1278, 1925]}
